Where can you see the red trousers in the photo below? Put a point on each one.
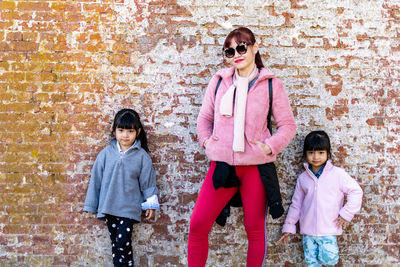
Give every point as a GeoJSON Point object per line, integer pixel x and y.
{"type": "Point", "coordinates": [210, 203]}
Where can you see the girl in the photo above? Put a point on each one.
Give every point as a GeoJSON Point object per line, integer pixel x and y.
{"type": "Point", "coordinates": [232, 127]}
{"type": "Point", "coordinates": [318, 202]}
{"type": "Point", "coordinates": [122, 177]}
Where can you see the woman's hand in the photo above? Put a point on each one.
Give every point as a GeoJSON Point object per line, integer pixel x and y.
{"type": "Point", "coordinates": [264, 147]}
{"type": "Point", "coordinates": [150, 214]}
{"type": "Point", "coordinates": [284, 238]}
{"type": "Point", "coordinates": [208, 139]}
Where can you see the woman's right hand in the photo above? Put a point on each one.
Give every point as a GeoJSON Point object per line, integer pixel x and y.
{"type": "Point", "coordinates": [284, 238]}
{"type": "Point", "coordinates": [265, 147]}
{"type": "Point", "coordinates": [208, 139]}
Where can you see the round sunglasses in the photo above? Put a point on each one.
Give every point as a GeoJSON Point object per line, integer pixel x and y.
{"type": "Point", "coordinates": [230, 51]}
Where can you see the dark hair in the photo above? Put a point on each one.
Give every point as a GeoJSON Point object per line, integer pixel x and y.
{"type": "Point", "coordinates": [129, 119]}
{"type": "Point", "coordinates": [243, 35]}
{"type": "Point", "coordinates": [317, 140]}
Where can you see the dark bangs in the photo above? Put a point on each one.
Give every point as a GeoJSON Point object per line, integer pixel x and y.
{"type": "Point", "coordinates": [240, 35]}
{"type": "Point", "coordinates": [129, 119]}
{"type": "Point", "coordinates": [317, 140]}
{"type": "Point", "coordinates": [126, 119]}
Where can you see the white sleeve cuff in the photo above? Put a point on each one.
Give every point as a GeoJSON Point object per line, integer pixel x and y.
{"type": "Point", "coordinates": [151, 203]}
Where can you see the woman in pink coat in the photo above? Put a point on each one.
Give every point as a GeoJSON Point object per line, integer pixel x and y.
{"type": "Point", "coordinates": [232, 127]}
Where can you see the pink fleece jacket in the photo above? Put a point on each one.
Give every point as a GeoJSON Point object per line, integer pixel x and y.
{"type": "Point", "coordinates": [211, 122]}
{"type": "Point", "coordinates": [318, 202]}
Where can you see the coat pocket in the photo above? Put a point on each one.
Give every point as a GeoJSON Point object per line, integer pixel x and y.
{"type": "Point", "coordinates": [258, 153]}
{"type": "Point", "coordinates": [210, 148]}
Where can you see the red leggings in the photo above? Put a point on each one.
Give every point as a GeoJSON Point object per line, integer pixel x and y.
{"type": "Point", "coordinates": [210, 203]}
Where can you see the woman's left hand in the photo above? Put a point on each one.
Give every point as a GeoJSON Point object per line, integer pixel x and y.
{"type": "Point", "coordinates": [264, 147]}
{"type": "Point", "coordinates": [149, 214]}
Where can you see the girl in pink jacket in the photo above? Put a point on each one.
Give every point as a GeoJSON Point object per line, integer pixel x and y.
{"type": "Point", "coordinates": [232, 127]}
{"type": "Point", "coordinates": [317, 202]}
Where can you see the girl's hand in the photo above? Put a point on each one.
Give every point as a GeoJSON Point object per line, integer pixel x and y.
{"type": "Point", "coordinates": [284, 238]}
{"type": "Point", "coordinates": [208, 139]}
{"type": "Point", "coordinates": [150, 214]}
{"type": "Point", "coordinates": [340, 222]}
{"type": "Point", "coordinates": [264, 147]}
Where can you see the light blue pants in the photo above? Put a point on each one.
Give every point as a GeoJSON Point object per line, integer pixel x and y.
{"type": "Point", "coordinates": [320, 250]}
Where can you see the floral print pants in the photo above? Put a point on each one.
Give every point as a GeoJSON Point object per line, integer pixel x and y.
{"type": "Point", "coordinates": [320, 250]}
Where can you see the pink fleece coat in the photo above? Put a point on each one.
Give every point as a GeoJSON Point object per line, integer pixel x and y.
{"type": "Point", "coordinates": [318, 202]}
{"type": "Point", "coordinates": [211, 122]}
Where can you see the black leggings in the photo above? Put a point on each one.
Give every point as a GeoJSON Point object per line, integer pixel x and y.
{"type": "Point", "coordinates": [121, 239]}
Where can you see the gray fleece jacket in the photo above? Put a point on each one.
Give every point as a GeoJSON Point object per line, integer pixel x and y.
{"type": "Point", "coordinates": [120, 182]}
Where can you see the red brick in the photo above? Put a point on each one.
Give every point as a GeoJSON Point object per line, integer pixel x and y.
{"type": "Point", "coordinates": [24, 46]}
{"type": "Point", "coordinates": [33, 6]}
{"type": "Point", "coordinates": [7, 5]}
{"type": "Point", "coordinates": [14, 36]}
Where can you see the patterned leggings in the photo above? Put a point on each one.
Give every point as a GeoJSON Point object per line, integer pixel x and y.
{"type": "Point", "coordinates": [121, 239]}
{"type": "Point", "coordinates": [320, 250]}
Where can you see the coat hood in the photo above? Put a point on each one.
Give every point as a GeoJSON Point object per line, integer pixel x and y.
{"type": "Point", "coordinates": [327, 168]}
{"type": "Point", "coordinates": [136, 145]}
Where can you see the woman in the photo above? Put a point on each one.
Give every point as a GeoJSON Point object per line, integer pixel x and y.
{"type": "Point", "coordinates": [232, 127]}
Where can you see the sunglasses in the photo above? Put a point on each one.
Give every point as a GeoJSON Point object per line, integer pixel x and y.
{"type": "Point", "coordinates": [240, 48]}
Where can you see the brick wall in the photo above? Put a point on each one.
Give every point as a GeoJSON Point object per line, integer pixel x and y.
{"type": "Point", "coordinates": [66, 67]}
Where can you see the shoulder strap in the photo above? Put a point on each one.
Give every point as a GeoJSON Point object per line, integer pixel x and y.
{"type": "Point", "coordinates": [269, 126]}
{"type": "Point", "coordinates": [216, 88]}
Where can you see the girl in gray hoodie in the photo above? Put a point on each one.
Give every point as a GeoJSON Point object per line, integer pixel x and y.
{"type": "Point", "coordinates": [122, 184]}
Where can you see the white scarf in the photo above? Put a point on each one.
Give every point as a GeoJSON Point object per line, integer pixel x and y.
{"type": "Point", "coordinates": [241, 86]}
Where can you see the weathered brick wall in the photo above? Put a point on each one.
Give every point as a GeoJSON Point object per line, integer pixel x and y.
{"type": "Point", "coordinates": [66, 67]}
